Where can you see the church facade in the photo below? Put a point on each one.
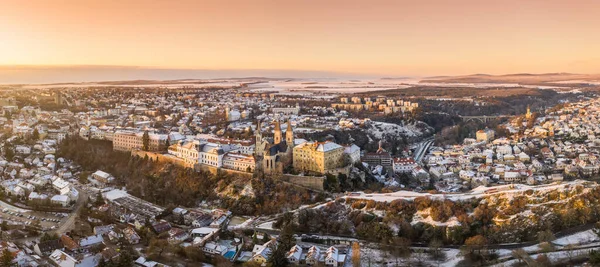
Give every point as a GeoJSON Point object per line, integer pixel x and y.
{"type": "Point", "coordinates": [274, 154]}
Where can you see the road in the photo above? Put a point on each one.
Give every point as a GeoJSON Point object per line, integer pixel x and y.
{"type": "Point", "coordinates": [422, 149]}
{"type": "Point", "coordinates": [63, 226]}
{"type": "Point", "coordinates": [509, 246]}
{"type": "Point", "coordinates": [70, 221]}
{"type": "Point", "coordinates": [4, 205]}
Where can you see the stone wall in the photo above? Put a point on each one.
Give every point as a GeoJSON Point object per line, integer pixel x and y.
{"type": "Point", "coordinates": [214, 170]}
{"type": "Point", "coordinates": [160, 157]}
{"type": "Point", "coordinates": [311, 182]}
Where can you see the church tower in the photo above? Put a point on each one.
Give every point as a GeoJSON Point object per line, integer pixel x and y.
{"type": "Point", "coordinates": [289, 134]}
{"type": "Point", "coordinates": [258, 133]}
{"type": "Point", "coordinates": [277, 136]}
{"type": "Point", "coordinates": [528, 114]}
{"type": "Point", "coordinates": [380, 149]}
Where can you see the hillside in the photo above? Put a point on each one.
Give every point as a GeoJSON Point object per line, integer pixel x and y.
{"type": "Point", "coordinates": [521, 78]}
{"type": "Point", "coordinates": [380, 130]}
{"type": "Point", "coordinates": [504, 214]}
{"type": "Point", "coordinates": [169, 185]}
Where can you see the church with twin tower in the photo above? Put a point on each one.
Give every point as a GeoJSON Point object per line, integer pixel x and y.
{"type": "Point", "coordinates": [275, 154]}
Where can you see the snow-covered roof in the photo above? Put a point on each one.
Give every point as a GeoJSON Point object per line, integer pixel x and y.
{"type": "Point", "coordinates": [203, 230]}
{"type": "Point", "coordinates": [115, 194]}
{"type": "Point", "coordinates": [102, 174]}
{"type": "Point", "coordinates": [91, 240]}
{"type": "Point", "coordinates": [60, 198]}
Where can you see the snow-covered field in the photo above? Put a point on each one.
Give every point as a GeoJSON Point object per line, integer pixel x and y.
{"type": "Point", "coordinates": [578, 82]}
{"type": "Point", "coordinates": [333, 85]}
{"type": "Point", "coordinates": [424, 217]}
{"type": "Point", "coordinates": [487, 85]}
{"type": "Point", "coordinates": [174, 84]}
{"type": "Point", "coordinates": [478, 192]}
{"type": "Point", "coordinates": [267, 226]}
{"type": "Point", "coordinates": [240, 223]}
{"type": "Point", "coordinates": [580, 238]}
{"type": "Point", "coordinates": [381, 129]}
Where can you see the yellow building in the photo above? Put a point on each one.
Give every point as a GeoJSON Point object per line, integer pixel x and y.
{"type": "Point", "coordinates": [485, 135]}
{"type": "Point", "coordinates": [318, 157]}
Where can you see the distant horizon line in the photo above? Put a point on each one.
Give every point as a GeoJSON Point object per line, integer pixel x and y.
{"type": "Point", "coordinates": [88, 73]}
{"type": "Point", "coordinates": [100, 66]}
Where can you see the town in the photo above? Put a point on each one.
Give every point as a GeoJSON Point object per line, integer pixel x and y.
{"type": "Point", "coordinates": [101, 177]}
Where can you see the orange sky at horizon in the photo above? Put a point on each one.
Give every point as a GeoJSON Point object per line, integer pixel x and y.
{"type": "Point", "coordinates": [376, 37]}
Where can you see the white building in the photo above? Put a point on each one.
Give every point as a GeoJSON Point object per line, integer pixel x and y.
{"type": "Point", "coordinates": [211, 154]}
{"type": "Point", "coordinates": [404, 165]}
{"type": "Point", "coordinates": [353, 151]}
{"type": "Point", "coordinates": [239, 162]}
{"type": "Point", "coordinates": [60, 200]}
{"type": "Point", "coordinates": [188, 151]}
{"type": "Point", "coordinates": [294, 255]}
{"type": "Point", "coordinates": [287, 110]}
{"type": "Point", "coordinates": [512, 176]}
{"type": "Point", "coordinates": [62, 259]}
{"type": "Point", "coordinates": [334, 258]}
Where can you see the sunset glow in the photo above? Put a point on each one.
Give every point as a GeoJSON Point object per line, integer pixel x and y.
{"type": "Point", "coordinates": [374, 37]}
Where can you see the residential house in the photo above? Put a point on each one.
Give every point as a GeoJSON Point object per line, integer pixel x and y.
{"type": "Point", "coordinates": [161, 227]}
{"type": "Point", "coordinates": [131, 236]}
{"type": "Point", "coordinates": [334, 258]}
{"type": "Point", "coordinates": [46, 247]}
{"type": "Point", "coordinates": [294, 255]}
{"type": "Point", "coordinates": [91, 241]}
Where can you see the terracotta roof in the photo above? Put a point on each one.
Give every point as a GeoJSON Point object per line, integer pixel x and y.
{"type": "Point", "coordinates": [69, 243]}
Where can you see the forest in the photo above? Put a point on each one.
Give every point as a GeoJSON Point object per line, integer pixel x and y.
{"type": "Point", "coordinates": [537, 99]}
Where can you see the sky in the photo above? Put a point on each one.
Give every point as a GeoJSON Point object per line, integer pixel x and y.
{"type": "Point", "coordinates": [371, 37]}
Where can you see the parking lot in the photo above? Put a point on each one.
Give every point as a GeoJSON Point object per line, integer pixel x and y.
{"type": "Point", "coordinates": [47, 220]}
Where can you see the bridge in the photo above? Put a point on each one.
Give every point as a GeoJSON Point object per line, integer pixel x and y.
{"type": "Point", "coordinates": [483, 118]}
{"type": "Point", "coordinates": [421, 150]}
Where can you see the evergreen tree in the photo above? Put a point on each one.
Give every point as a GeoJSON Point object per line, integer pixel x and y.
{"type": "Point", "coordinates": [6, 258]}
{"type": "Point", "coordinates": [146, 141]}
{"type": "Point", "coordinates": [99, 199]}
{"type": "Point", "coordinates": [266, 238]}
{"type": "Point", "coordinates": [125, 260]}
{"type": "Point", "coordinates": [9, 151]}
{"type": "Point", "coordinates": [284, 244]}
{"type": "Point", "coordinates": [57, 165]}
{"type": "Point", "coordinates": [102, 263]}
{"type": "Point", "coordinates": [48, 237]}
{"type": "Point", "coordinates": [36, 134]}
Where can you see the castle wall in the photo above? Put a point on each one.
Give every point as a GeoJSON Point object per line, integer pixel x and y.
{"type": "Point", "coordinates": [311, 182]}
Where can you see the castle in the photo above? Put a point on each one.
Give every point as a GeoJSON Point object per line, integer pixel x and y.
{"type": "Point", "coordinates": [276, 153]}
